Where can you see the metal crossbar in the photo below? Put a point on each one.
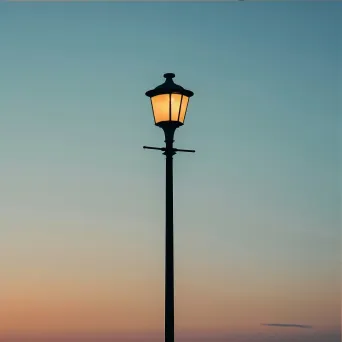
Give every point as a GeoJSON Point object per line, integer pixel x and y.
{"type": "Point", "coordinates": [164, 149]}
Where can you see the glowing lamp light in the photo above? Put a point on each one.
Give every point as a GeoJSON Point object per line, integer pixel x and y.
{"type": "Point", "coordinates": [169, 102]}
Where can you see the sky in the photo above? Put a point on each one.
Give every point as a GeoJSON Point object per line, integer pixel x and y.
{"type": "Point", "coordinates": [257, 207]}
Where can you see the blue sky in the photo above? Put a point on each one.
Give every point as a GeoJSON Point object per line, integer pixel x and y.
{"type": "Point", "coordinates": [257, 207]}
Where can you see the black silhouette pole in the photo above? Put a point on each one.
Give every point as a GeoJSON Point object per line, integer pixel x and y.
{"type": "Point", "coordinates": [169, 103]}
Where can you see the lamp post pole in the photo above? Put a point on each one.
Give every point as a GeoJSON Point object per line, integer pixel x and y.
{"type": "Point", "coordinates": [169, 259]}
{"type": "Point", "coordinates": [169, 127]}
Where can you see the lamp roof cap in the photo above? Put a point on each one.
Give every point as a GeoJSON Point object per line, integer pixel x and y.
{"type": "Point", "coordinates": [169, 87]}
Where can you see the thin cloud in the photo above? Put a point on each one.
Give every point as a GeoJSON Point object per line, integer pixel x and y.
{"type": "Point", "coordinates": [283, 325]}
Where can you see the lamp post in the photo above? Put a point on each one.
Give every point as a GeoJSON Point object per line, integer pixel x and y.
{"type": "Point", "coordinates": [169, 105]}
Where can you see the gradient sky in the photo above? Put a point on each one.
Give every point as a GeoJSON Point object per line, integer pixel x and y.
{"type": "Point", "coordinates": [257, 207]}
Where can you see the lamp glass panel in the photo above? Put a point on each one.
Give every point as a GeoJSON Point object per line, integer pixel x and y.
{"type": "Point", "coordinates": [175, 105]}
{"type": "Point", "coordinates": [161, 107]}
{"type": "Point", "coordinates": [184, 107]}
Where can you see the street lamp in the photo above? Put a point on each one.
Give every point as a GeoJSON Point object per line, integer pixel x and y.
{"type": "Point", "coordinates": [169, 105]}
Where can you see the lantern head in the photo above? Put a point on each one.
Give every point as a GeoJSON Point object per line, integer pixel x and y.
{"type": "Point", "coordinates": [169, 103]}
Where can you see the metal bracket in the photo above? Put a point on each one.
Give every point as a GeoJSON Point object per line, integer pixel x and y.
{"type": "Point", "coordinates": [154, 148]}
{"type": "Point", "coordinates": [181, 150]}
{"type": "Point", "coordinates": [164, 149]}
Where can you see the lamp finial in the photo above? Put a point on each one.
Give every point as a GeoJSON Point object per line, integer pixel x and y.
{"type": "Point", "coordinates": [169, 75]}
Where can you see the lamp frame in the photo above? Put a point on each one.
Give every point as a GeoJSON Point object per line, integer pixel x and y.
{"type": "Point", "coordinates": [169, 88]}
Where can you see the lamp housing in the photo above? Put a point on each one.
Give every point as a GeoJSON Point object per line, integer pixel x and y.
{"type": "Point", "coordinates": [169, 103]}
